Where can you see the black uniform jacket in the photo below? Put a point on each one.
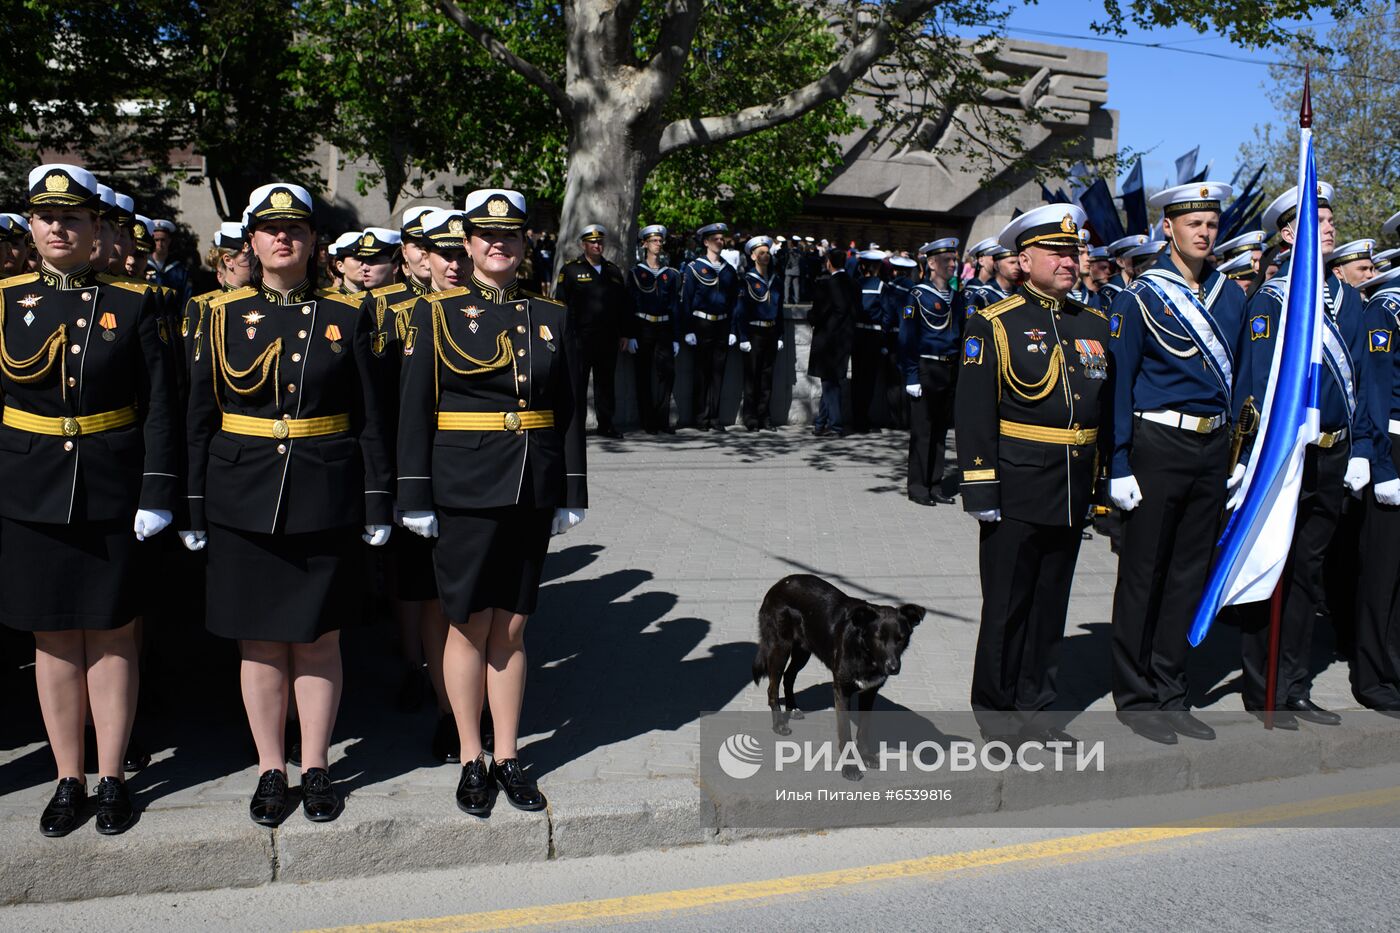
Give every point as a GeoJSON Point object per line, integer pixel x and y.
{"type": "Point", "coordinates": [597, 301]}
{"type": "Point", "coordinates": [835, 301]}
{"type": "Point", "coordinates": [300, 356]}
{"type": "Point", "coordinates": [1033, 409]}
{"type": "Point", "coordinates": [74, 345]}
{"type": "Point", "coordinates": [519, 357]}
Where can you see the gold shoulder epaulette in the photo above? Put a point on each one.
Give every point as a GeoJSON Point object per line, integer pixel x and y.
{"type": "Point", "coordinates": [207, 296]}
{"type": "Point", "coordinates": [351, 300]}
{"type": "Point", "coordinates": [402, 306]}
{"type": "Point", "coordinates": [24, 278]}
{"type": "Point", "coordinates": [219, 301]}
{"type": "Point", "coordinates": [384, 291]}
{"type": "Point", "coordinates": [1087, 307]}
{"type": "Point", "coordinates": [993, 311]}
{"type": "Point", "coordinates": [539, 297]}
{"type": "Point", "coordinates": [126, 282]}
{"type": "Point", "coordinates": [448, 293]}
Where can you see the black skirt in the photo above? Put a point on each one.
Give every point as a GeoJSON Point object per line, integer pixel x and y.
{"type": "Point", "coordinates": [411, 566]}
{"type": "Point", "coordinates": [491, 558]}
{"type": "Point", "coordinates": [57, 578]}
{"type": "Point", "coordinates": [287, 588]}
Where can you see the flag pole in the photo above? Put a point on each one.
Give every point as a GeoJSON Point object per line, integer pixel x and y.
{"type": "Point", "coordinates": [1305, 119]}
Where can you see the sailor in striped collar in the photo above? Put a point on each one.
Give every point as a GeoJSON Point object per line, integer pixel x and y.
{"type": "Point", "coordinates": [1178, 343]}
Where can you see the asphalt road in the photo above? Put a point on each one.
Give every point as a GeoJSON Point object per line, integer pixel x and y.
{"type": "Point", "coordinates": [1331, 867]}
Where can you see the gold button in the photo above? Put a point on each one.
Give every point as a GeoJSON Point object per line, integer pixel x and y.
{"type": "Point", "coordinates": [296, 357]}
{"type": "Point", "coordinates": [520, 328]}
{"type": "Point", "coordinates": [519, 432]}
{"type": "Point", "coordinates": [1074, 453]}
{"type": "Point", "coordinates": [87, 296]}
{"type": "Point", "coordinates": [291, 387]}
{"type": "Point", "coordinates": [1076, 396]}
{"type": "Point", "coordinates": [306, 309]}
{"type": "Point", "coordinates": [286, 417]}
{"type": "Point", "coordinates": [301, 335]}
{"type": "Point", "coordinates": [77, 349]}
{"type": "Point", "coordinates": [520, 352]}
{"type": "Point", "coordinates": [520, 402]}
{"type": "Point", "coordinates": [82, 322]}
{"type": "Point", "coordinates": [1071, 369]}
{"type": "Point", "coordinates": [72, 382]}
{"type": "Point", "coordinates": [67, 445]}
{"type": "Point", "coordinates": [281, 448]}
{"type": "Point", "coordinates": [520, 378]}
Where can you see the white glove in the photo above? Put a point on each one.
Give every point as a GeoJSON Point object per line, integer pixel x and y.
{"type": "Point", "coordinates": [423, 523]}
{"type": "Point", "coordinates": [194, 540]}
{"type": "Point", "coordinates": [150, 523]}
{"type": "Point", "coordinates": [1125, 492]}
{"type": "Point", "coordinates": [916, 390]}
{"type": "Point", "coordinates": [564, 519]}
{"type": "Point", "coordinates": [690, 340]}
{"type": "Point", "coordinates": [376, 535]}
{"type": "Point", "coordinates": [733, 340]}
{"type": "Point", "coordinates": [1358, 474]}
{"type": "Point", "coordinates": [780, 345]}
{"type": "Point", "coordinates": [1388, 492]}
{"type": "Point", "coordinates": [675, 348]}
{"type": "Point", "coordinates": [1235, 479]}
{"type": "Point", "coordinates": [991, 515]}
{"type": "Point", "coordinates": [745, 347]}
{"type": "Point", "coordinates": [631, 345]}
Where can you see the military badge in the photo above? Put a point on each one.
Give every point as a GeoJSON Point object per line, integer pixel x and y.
{"type": "Point", "coordinates": [333, 335]}
{"type": "Point", "coordinates": [379, 342]}
{"type": "Point", "coordinates": [253, 318]}
{"type": "Point", "coordinates": [908, 312]}
{"type": "Point", "coordinates": [472, 312]}
{"type": "Point", "coordinates": [545, 333]}
{"type": "Point", "coordinates": [1259, 327]}
{"type": "Point", "coordinates": [30, 301]}
{"type": "Point", "coordinates": [1115, 325]}
{"type": "Point", "coordinates": [972, 351]}
{"type": "Point", "coordinates": [1379, 341]}
{"type": "Point", "coordinates": [409, 336]}
{"type": "Point", "coordinates": [108, 323]}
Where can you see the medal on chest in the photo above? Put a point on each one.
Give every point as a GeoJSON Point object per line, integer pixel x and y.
{"type": "Point", "coordinates": [1037, 341]}
{"type": "Point", "coordinates": [472, 312]}
{"type": "Point", "coordinates": [1092, 358]}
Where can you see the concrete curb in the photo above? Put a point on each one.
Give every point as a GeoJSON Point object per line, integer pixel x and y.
{"type": "Point", "coordinates": [214, 846]}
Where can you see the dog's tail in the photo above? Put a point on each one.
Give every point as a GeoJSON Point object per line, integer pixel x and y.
{"type": "Point", "coordinates": [760, 663]}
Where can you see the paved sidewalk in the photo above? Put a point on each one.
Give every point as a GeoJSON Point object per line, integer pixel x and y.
{"type": "Point", "coordinates": [648, 619]}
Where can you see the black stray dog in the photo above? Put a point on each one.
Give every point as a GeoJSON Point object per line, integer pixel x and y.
{"type": "Point", "coordinates": [859, 642]}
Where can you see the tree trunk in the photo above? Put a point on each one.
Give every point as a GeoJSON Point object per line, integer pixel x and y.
{"type": "Point", "coordinates": [606, 171]}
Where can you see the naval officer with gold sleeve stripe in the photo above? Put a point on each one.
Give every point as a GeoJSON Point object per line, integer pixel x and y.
{"type": "Point", "coordinates": [491, 456]}
{"type": "Point", "coordinates": [1033, 391]}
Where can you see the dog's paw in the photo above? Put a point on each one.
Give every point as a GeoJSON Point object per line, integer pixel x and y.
{"type": "Point", "coordinates": [866, 754]}
{"type": "Point", "coordinates": [795, 714]}
{"type": "Point", "coordinates": [781, 728]}
{"type": "Point", "coordinates": [852, 773]}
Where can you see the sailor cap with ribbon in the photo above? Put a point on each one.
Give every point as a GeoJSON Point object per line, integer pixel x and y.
{"type": "Point", "coordinates": [1239, 266]}
{"type": "Point", "coordinates": [1244, 243]}
{"type": "Point", "coordinates": [1190, 199]}
{"type": "Point", "coordinates": [756, 242]}
{"type": "Point", "coordinates": [1351, 252]}
{"type": "Point", "coordinates": [1120, 246]}
{"type": "Point", "coordinates": [1284, 208]}
{"type": "Point", "coordinates": [945, 245]}
{"type": "Point", "coordinates": [655, 230]}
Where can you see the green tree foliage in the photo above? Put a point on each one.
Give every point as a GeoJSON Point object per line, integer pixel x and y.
{"type": "Point", "coordinates": [1356, 122]}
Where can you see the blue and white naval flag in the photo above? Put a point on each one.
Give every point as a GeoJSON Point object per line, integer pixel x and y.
{"type": "Point", "coordinates": [1254, 548]}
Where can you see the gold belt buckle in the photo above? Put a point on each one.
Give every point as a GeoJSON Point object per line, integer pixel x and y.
{"type": "Point", "coordinates": [512, 421]}
{"type": "Point", "coordinates": [1204, 426]}
{"type": "Point", "coordinates": [71, 428]}
{"type": "Point", "coordinates": [1327, 439]}
{"type": "Point", "coordinates": [280, 430]}
{"type": "Point", "coordinates": [1081, 437]}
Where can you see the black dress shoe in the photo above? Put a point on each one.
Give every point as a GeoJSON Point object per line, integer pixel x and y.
{"type": "Point", "coordinates": [1305, 708]}
{"type": "Point", "coordinates": [1151, 726]}
{"type": "Point", "coordinates": [474, 789]}
{"type": "Point", "coordinates": [319, 800]}
{"type": "Point", "coordinates": [65, 809]}
{"type": "Point", "coordinates": [921, 500]}
{"type": "Point", "coordinates": [115, 814]}
{"type": "Point", "coordinates": [1046, 734]}
{"type": "Point", "coordinates": [447, 748]}
{"type": "Point", "coordinates": [1283, 719]}
{"type": "Point", "coordinates": [1183, 722]}
{"type": "Point", "coordinates": [269, 804]}
{"type": "Point", "coordinates": [136, 758]}
{"type": "Point", "coordinates": [942, 499]}
{"type": "Point", "coordinates": [519, 789]}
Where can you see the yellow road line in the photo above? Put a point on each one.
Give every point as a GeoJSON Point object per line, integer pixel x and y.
{"type": "Point", "coordinates": [616, 908]}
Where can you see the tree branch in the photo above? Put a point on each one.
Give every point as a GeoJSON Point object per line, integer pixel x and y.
{"type": "Point", "coordinates": [497, 50]}
{"type": "Point", "coordinates": [697, 131]}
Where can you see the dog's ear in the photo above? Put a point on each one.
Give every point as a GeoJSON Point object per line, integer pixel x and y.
{"type": "Point", "coordinates": [911, 614]}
